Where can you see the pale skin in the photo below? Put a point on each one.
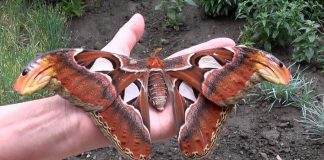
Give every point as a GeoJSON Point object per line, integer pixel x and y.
{"type": "Point", "coordinates": [52, 128]}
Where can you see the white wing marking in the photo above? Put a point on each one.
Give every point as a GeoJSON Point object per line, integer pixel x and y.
{"type": "Point", "coordinates": [102, 64]}
{"type": "Point", "coordinates": [131, 92]}
{"type": "Point", "coordinates": [186, 91]}
{"type": "Point", "coordinates": [208, 62]}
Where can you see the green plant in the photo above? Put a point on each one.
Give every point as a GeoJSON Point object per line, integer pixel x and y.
{"type": "Point", "coordinates": [216, 8]}
{"type": "Point", "coordinates": [299, 92]}
{"type": "Point", "coordinates": [320, 1]}
{"type": "Point", "coordinates": [307, 42]}
{"type": "Point", "coordinates": [314, 11]}
{"type": "Point", "coordinates": [313, 119]}
{"type": "Point", "coordinates": [34, 29]}
{"type": "Point", "coordinates": [172, 10]}
{"type": "Point", "coordinates": [72, 7]}
{"type": "Point", "coordinates": [270, 23]}
{"type": "Point", "coordinates": [281, 23]}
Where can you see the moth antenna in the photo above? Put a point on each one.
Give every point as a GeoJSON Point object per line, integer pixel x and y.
{"type": "Point", "coordinates": [156, 51]}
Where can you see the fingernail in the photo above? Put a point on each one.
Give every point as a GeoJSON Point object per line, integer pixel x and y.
{"type": "Point", "coordinates": [135, 19]}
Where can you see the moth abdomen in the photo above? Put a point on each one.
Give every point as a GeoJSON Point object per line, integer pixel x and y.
{"type": "Point", "coordinates": [157, 90]}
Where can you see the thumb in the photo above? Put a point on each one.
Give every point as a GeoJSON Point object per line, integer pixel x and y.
{"type": "Point", "coordinates": [127, 36]}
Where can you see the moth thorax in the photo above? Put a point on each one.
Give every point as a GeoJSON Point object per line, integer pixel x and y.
{"type": "Point", "coordinates": [157, 90]}
{"type": "Point", "coordinates": [154, 62]}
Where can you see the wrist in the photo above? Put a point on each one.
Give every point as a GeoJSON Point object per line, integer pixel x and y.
{"type": "Point", "coordinates": [49, 128]}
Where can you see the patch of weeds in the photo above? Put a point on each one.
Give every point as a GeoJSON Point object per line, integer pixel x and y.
{"type": "Point", "coordinates": [172, 10]}
{"type": "Point", "coordinates": [26, 30]}
{"type": "Point", "coordinates": [215, 8]}
{"type": "Point", "coordinates": [72, 7]}
{"type": "Point", "coordinates": [313, 120]}
{"type": "Point", "coordinates": [299, 92]}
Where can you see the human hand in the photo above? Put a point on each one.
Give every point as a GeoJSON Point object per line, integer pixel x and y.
{"type": "Point", "coordinates": [52, 128]}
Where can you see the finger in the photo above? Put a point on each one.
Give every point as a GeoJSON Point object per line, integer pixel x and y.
{"type": "Point", "coordinates": [162, 123]}
{"type": "Point", "coordinates": [214, 43]}
{"type": "Point", "coordinates": [127, 36]}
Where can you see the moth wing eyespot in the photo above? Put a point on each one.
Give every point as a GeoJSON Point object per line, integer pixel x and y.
{"type": "Point", "coordinates": [24, 72]}
{"type": "Point", "coordinates": [281, 64]}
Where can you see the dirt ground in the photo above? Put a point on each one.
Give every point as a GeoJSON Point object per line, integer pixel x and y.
{"type": "Point", "coordinates": [251, 132]}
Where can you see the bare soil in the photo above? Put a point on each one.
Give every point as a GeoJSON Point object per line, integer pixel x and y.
{"type": "Point", "coordinates": [251, 131]}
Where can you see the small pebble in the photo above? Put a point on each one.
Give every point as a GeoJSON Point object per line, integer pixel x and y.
{"type": "Point", "coordinates": [264, 155]}
{"type": "Point", "coordinates": [164, 41]}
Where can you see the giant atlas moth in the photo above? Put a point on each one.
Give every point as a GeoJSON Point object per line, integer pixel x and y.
{"type": "Point", "coordinates": [202, 86]}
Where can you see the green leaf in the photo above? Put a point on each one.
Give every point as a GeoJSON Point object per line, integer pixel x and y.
{"type": "Point", "coordinates": [312, 38]}
{"type": "Point", "coordinates": [158, 6]}
{"type": "Point", "coordinates": [77, 13]}
{"type": "Point", "coordinates": [191, 2]}
{"type": "Point", "coordinates": [287, 26]}
{"type": "Point", "coordinates": [275, 34]}
{"type": "Point", "coordinates": [176, 27]}
{"type": "Point", "coordinates": [309, 54]}
{"type": "Point", "coordinates": [278, 24]}
{"type": "Point", "coordinates": [321, 49]}
{"type": "Point", "coordinates": [298, 39]}
{"type": "Point", "coordinates": [267, 30]}
{"type": "Point", "coordinates": [171, 15]}
{"type": "Point", "coordinates": [219, 7]}
{"type": "Point", "coordinates": [264, 23]}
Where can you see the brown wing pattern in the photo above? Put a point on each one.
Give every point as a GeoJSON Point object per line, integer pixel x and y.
{"type": "Point", "coordinates": [120, 78]}
{"type": "Point", "coordinates": [222, 77]}
{"type": "Point", "coordinates": [198, 134]}
{"type": "Point", "coordinates": [238, 69]}
{"type": "Point", "coordinates": [179, 105]}
{"type": "Point", "coordinates": [68, 72]}
{"type": "Point", "coordinates": [198, 122]}
{"type": "Point", "coordinates": [187, 67]}
{"type": "Point", "coordinates": [123, 125]}
{"type": "Point", "coordinates": [126, 125]}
